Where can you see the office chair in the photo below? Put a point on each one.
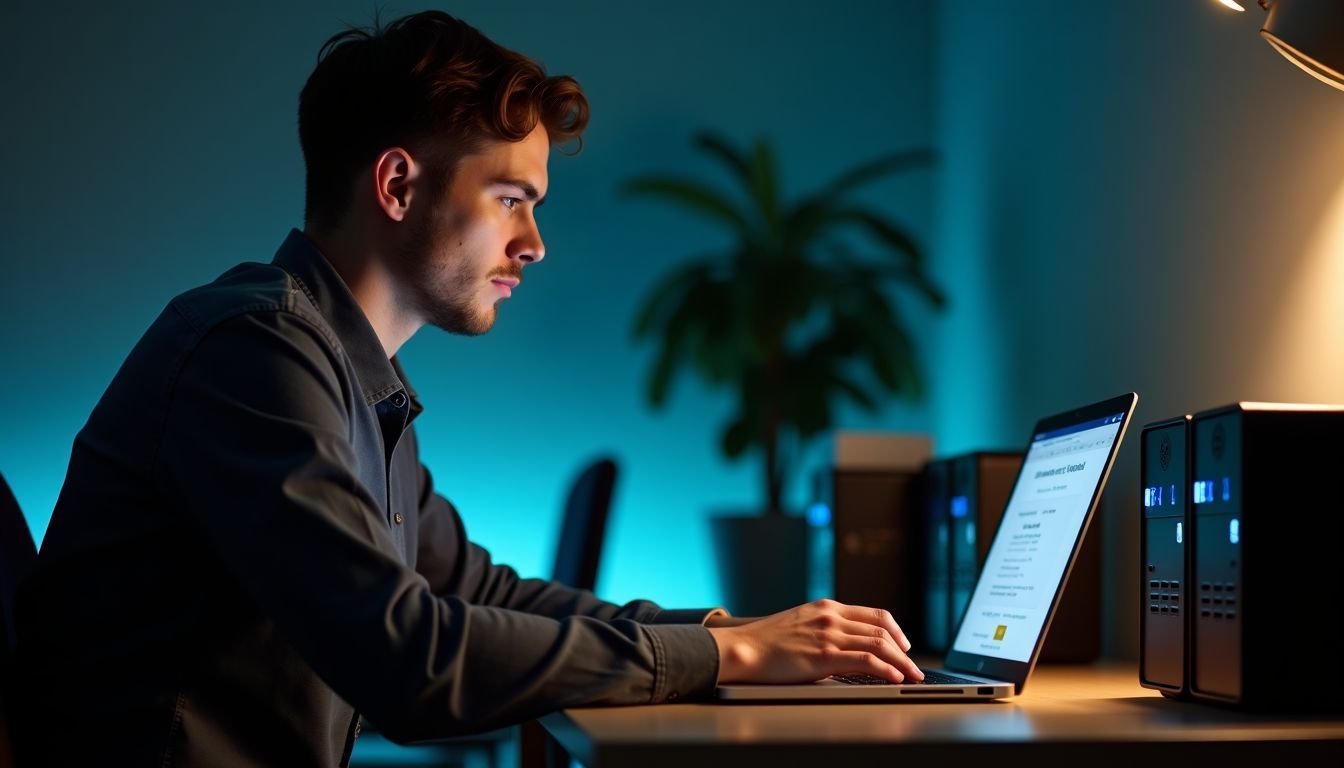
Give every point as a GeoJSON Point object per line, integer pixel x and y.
{"type": "Point", "coordinates": [578, 553]}
{"type": "Point", "coordinates": [585, 525]}
{"type": "Point", "coordinates": [17, 554]}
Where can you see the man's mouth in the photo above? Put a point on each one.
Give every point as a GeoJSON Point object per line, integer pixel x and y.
{"type": "Point", "coordinates": [506, 284]}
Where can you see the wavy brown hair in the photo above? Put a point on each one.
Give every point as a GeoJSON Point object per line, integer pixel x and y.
{"type": "Point", "coordinates": [431, 83]}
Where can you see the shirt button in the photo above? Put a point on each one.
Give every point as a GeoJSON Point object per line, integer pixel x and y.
{"type": "Point", "coordinates": [398, 400]}
{"type": "Point", "coordinates": [397, 518]}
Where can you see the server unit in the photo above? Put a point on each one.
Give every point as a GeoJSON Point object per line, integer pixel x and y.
{"type": "Point", "coordinates": [1164, 615]}
{"type": "Point", "coordinates": [1265, 575]}
{"type": "Point", "coordinates": [876, 492]}
{"type": "Point", "coordinates": [936, 624]}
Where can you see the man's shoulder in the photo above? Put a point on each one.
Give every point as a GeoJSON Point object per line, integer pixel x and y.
{"type": "Point", "coordinates": [250, 289]}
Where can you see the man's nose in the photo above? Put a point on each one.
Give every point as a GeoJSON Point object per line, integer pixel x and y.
{"type": "Point", "coordinates": [528, 247]}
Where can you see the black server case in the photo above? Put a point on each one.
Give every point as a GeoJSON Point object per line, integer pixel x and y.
{"type": "Point", "coordinates": [1265, 577]}
{"type": "Point", "coordinates": [1164, 609]}
{"type": "Point", "coordinates": [876, 523]}
{"type": "Point", "coordinates": [935, 528]}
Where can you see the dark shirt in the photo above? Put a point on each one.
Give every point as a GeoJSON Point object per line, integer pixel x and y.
{"type": "Point", "coordinates": [247, 554]}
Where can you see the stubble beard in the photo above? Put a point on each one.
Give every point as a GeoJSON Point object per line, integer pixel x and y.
{"type": "Point", "coordinates": [444, 288]}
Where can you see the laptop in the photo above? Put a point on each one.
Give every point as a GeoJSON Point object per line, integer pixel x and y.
{"type": "Point", "coordinates": [1068, 460]}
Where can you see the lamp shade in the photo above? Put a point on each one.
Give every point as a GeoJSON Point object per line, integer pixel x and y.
{"type": "Point", "coordinates": [1309, 33]}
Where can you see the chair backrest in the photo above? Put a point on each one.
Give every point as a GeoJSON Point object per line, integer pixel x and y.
{"type": "Point", "coordinates": [584, 525]}
{"type": "Point", "coordinates": [17, 554]}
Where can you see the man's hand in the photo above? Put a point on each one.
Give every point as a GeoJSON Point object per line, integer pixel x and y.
{"type": "Point", "coordinates": [814, 641]}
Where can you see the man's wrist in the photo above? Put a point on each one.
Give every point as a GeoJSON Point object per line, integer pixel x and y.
{"type": "Point", "coordinates": [735, 655]}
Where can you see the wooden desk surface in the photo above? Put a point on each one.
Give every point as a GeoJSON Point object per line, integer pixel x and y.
{"type": "Point", "coordinates": [1096, 714]}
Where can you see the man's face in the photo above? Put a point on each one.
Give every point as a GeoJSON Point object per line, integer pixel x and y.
{"type": "Point", "coordinates": [467, 249]}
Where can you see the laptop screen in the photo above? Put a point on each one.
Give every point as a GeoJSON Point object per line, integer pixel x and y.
{"type": "Point", "coordinates": [1035, 539]}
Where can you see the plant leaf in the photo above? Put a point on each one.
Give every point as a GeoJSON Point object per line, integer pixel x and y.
{"type": "Point", "coordinates": [736, 438]}
{"type": "Point", "coordinates": [660, 375]}
{"type": "Point", "coordinates": [765, 184]}
{"type": "Point", "coordinates": [882, 230]}
{"type": "Point", "coordinates": [856, 392]}
{"type": "Point", "coordinates": [872, 170]}
{"type": "Point", "coordinates": [920, 282]}
{"type": "Point", "coordinates": [691, 195]}
{"type": "Point", "coordinates": [669, 291]}
{"type": "Point", "coordinates": [680, 332]}
{"type": "Point", "coordinates": [727, 154]}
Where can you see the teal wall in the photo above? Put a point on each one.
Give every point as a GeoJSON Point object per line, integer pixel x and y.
{"type": "Point", "coordinates": [148, 150]}
{"type": "Point", "coordinates": [1132, 196]}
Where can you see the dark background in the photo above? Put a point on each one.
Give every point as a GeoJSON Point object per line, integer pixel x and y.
{"type": "Point", "coordinates": [1138, 195]}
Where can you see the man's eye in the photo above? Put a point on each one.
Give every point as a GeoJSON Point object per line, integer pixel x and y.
{"type": "Point", "coordinates": [511, 202]}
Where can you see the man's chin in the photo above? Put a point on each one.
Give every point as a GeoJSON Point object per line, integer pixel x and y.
{"type": "Point", "coordinates": [476, 324]}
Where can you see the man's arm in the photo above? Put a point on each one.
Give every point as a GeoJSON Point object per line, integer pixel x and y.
{"type": "Point", "coordinates": [258, 457]}
{"type": "Point", "coordinates": [453, 565]}
{"type": "Point", "coordinates": [803, 644]}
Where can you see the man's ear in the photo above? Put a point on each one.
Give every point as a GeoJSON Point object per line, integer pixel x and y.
{"type": "Point", "coordinates": [396, 175]}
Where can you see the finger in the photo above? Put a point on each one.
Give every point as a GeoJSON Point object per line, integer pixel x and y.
{"type": "Point", "coordinates": [862, 662]}
{"type": "Point", "coordinates": [858, 636]}
{"type": "Point", "coordinates": [878, 618]}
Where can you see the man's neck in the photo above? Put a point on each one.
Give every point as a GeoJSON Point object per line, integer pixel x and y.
{"type": "Point", "coordinates": [364, 271]}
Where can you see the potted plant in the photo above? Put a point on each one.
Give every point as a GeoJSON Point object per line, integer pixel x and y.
{"type": "Point", "coordinates": [793, 317]}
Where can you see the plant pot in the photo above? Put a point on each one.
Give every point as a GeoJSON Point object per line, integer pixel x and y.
{"type": "Point", "coordinates": [762, 560]}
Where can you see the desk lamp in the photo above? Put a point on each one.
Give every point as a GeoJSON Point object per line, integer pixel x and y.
{"type": "Point", "coordinates": [1307, 33]}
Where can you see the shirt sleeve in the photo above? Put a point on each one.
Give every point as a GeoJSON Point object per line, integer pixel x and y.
{"type": "Point", "coordinates": [257, 454]}
{"type": "Point", "coordinates": [454, 565]}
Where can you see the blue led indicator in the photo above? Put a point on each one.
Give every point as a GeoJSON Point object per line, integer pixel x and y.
{"type": "Point", "coordinates": [1203, 491]}
{"type": "Point", "coordinates": [1227, 489]}
{"type": "Point", "coordinates": [819, 515]}
{"type": "Point", "coordinates": [970, 534]}
{"type": "Point", "coordinates": [1234, 531]}
{"type": "Point", "coordinates": [1180, 533]}
{"type": "Point", "coordinates": [960, 506]}
{"type": "Point", "coordinates": [1173, 494]}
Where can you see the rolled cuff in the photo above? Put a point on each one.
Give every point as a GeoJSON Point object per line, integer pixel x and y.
{"type": "Point", "coordinates": [686, 662]}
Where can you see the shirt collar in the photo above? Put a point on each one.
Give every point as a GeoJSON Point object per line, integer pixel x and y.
{"type": "Point", "coordinates": [379, 377]}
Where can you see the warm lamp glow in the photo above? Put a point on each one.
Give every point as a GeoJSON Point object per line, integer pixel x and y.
{"type": "Point", "coordinates": [1233, 4]}
{"type": "Point", "coordinates": [1304, 362]}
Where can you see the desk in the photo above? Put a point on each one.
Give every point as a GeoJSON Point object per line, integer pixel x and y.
{"type": "Point", "coordinates": [1093, 716]}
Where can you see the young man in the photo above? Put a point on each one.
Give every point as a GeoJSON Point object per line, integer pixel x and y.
{"type": "Point", "coordinates": [247, 553]}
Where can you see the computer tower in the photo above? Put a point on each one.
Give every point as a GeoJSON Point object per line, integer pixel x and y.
{"type": "Point", "coordinates": [1164, 605]}
{"type": "Point", "coordinates": [1265, 572]}
{"type": "Point", "coordinates": [876, 492]}
{"type": "Point", "coordinates": [935, 627]}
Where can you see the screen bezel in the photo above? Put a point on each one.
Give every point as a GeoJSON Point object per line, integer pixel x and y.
{"type": "Point", "coordinates": [1017, 672]}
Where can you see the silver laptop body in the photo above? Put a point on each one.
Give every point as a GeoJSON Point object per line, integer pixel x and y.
{"type": "Point", "coordinates": [1068, 461]}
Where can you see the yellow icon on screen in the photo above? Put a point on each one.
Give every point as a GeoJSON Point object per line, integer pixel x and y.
{"type": "Point", "coordinates": [999, 630]}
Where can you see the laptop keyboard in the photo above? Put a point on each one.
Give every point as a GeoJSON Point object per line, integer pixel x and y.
{"type": "Point", "coordinates": [930, 678]}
